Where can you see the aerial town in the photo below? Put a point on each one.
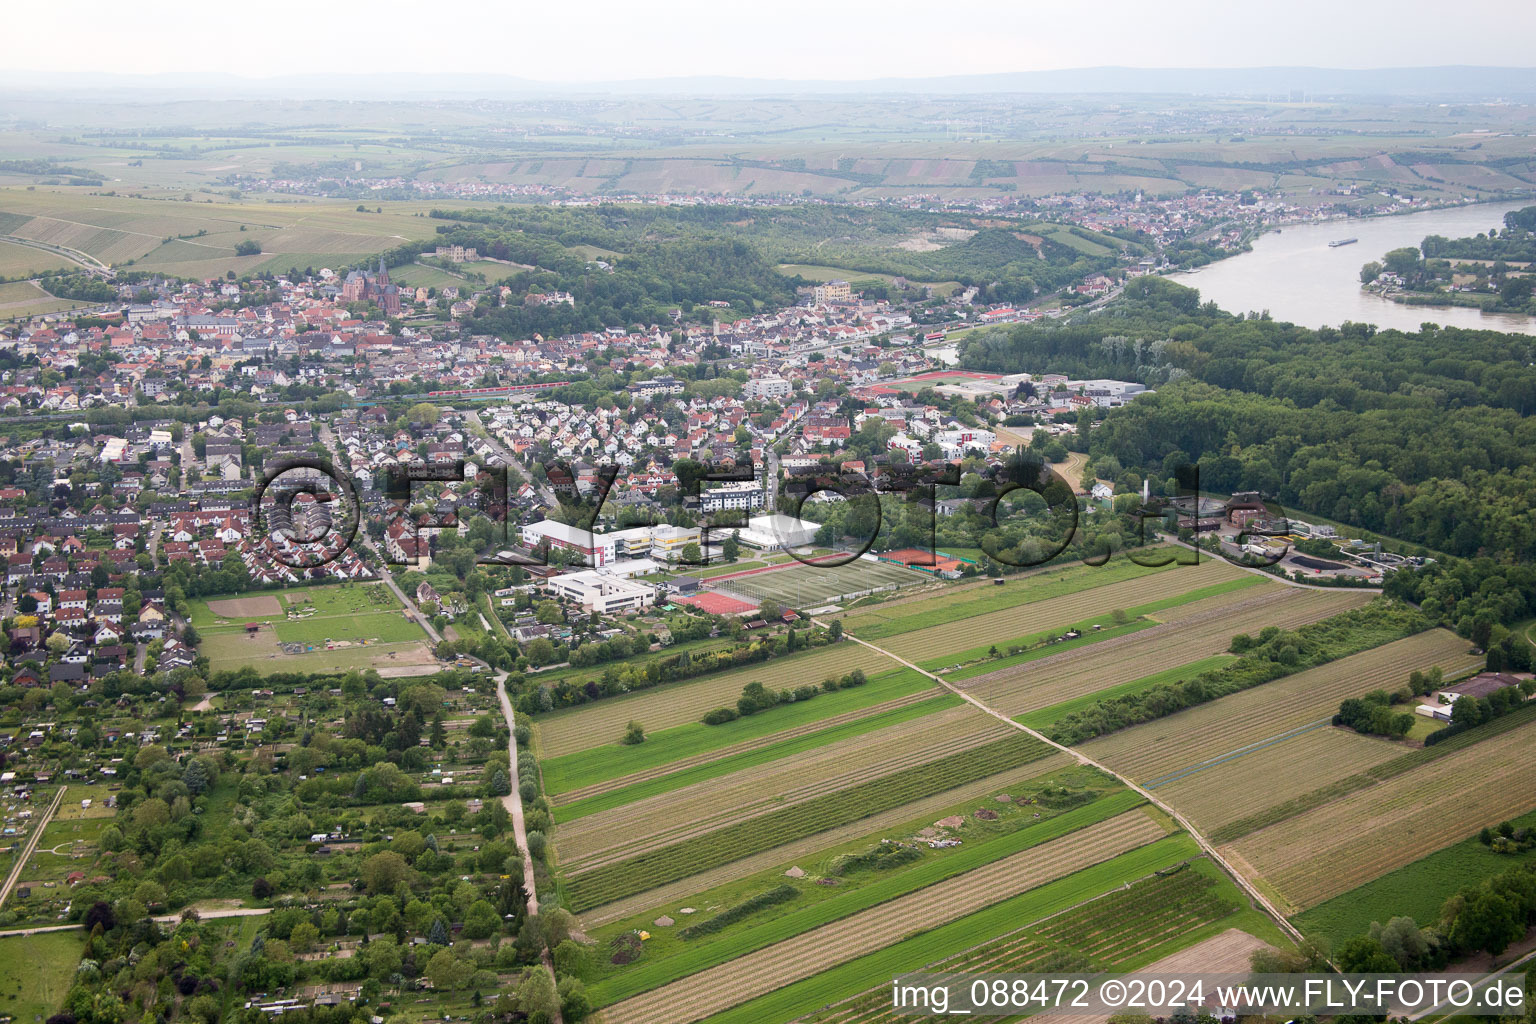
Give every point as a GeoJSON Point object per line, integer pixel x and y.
{"type": "Point", "coordinates": [504, 552]}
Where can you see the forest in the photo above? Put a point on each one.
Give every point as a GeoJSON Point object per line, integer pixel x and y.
{"type": "Point", "coordinates": [1424, 437]}
{"type": "Point", "coordinates": [1517, 242]}
{"type": "Point", "coordinates": [635, 264]}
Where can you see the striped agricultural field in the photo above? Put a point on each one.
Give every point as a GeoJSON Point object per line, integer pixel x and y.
{"type": "Point", "coordinates": [1271, 775]}
{"type": "Point", "coordinates": [1331, 849]}
{"type": "Point", "coordinates": [800, 849]}
{"type": "Point", "coordinates": [683, 763]}
{"type": "Point", "coordinates": [935, 603]}
{"type": "Point", "coordinates": [1155, 751]}
{"type": "Point", "coordinates": [661, 707]}
{"type": "Point", "coordinates": [1051, 680]}
{"type": "Point", "coordinates": [1057, 612]}
{"type": "Point", "coordinates": [597, 839]}
{"type": "Point", "coordinates": [768, 969]}
{"type": "Point", "coordinates": [837, 805]}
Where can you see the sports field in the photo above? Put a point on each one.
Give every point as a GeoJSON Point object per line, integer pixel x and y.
{"type": "Point", "coordinates": [800, 586]}
{"type": "Point", "coordinates": [332, 627]}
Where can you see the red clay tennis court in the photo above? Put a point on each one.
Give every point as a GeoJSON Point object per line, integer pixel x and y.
{"type": "Point", "coordinates": [716, 604]}
{"type": "Point", "coordinates": [916, 558]}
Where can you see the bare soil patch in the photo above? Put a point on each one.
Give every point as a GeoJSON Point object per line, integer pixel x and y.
{"type": "Point", "coordinates": [245, 607]}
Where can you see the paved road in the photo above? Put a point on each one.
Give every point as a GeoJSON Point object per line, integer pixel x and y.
{"type": "Point", "coordinates": [545, 493]}
{"type": "Point", "coordinates": [31, 845]}
{"type": "Point", "coordinates": [410, 606]}
{"type": "Point", "coordinates": [1210, 850]}
{"type": "Point", "coordinates": [1477, 983]}
{"type": "Point", "coordinates": [85, 259]}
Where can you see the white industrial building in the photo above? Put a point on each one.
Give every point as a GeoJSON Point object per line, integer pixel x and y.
{"type": "Point", "coordinates": [602, 592]}
{"type": "Point", "coordinates": [600, 550]}
{"type": "Point", "coordinates": [777, 532]}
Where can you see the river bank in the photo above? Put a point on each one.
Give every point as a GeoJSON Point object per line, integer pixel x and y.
{"type": "Point", "coordinates": [1293, 273]}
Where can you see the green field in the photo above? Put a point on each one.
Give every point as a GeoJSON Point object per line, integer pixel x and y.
{"type": "Point", "coordinates": [669, 863]}
{"type": "Point", "coordinates": [194, 235]}
{"type": "Point", "coordinates": [599, 764]}
{"type": "Point", "coordinates": [235, 651]}
{"type": "Point", "coordinates": [23, 298]}
{"type": "Point", "coordinates": [330, 600]}
{"type": "Point", "coordinates": [873, 622]}
{"type": "Point", "coordinates": [813, 272]}
{"type": "Point", "coordinates": [981, 668]}
{"type": "Point", "coordinates": [669, 957]}
{"type": "Point", "coordinates": [1415, 891]}
{"type": "Point", "coordinates": [352, 613]}
{"type": "Point", "coordinates": [751, 758]}
{"type": "Point", "coordinates": [385, 627]}
{"type": "Point", "coordinates": [24, 261]}
{"type": "Point", "coordinates": [1140, 620]}
{"type": "Point", "coordinates": [35, 972]}
{"type": "Point", "coordinates": [854, 977]}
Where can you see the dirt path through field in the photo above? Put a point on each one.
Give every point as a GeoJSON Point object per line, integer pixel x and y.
{"type": "Point", "coordinates": [1216, 856]}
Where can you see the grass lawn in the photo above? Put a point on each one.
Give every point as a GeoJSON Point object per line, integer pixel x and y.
{"type": "Point", "coordinates": [751, 758]}
{"type": "Point", "coordinates": [599, 764]}
{"type": "Point", "coordinates": [1424, 726]}
{"type": "Point", "coordinates": [1416, 890]}
{"type": "Point", "coordinates": [1047, 717]}
{"type": "Point", "coordinates": [35, 972]}
{"type": "Point", "coordinates": [386, 627]}
{"type": "Point", "coordinates": [332, 599]}
{"type": "Point", "coordinates": [228, 650]}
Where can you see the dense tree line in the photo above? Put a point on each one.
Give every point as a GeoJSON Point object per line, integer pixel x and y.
{"type": "Point", "coordinates": [1517, 242]}
{"type": "Point", "coordinates": [536, 697]}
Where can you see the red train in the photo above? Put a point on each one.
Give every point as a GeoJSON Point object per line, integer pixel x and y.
{"type": "Point", "coordinates": [510, 389]}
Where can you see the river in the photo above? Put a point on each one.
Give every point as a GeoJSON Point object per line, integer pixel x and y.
{"type": "Point", "coordinates": [1296, 276]}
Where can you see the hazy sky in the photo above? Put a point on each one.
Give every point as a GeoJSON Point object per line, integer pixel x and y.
{"type": "Point", "coordinates": [619, 39]}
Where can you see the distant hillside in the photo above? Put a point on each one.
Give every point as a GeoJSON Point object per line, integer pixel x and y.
{"type": "Point", "coordinates": [1448, 82]}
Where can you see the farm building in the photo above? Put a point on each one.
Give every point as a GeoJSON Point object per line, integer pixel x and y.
{"type": "Point", "coordinates": [1482, 685]}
